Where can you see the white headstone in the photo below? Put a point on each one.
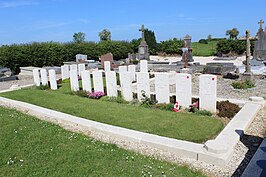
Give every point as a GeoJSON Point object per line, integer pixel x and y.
{"type": "Point", "coordinates": [143, 66]}
{"type": "Point", "coordinates": [107, 66]}
{"type": "Point", "coordinates": [74, 67]}
{"type": "Point", "coordinates": [81, 67]}
{"type": "Point", "coordinates": [183, 89]}
{"type": "Point", "coordinates": [98, 81]}
{"type": "Point", "coordinates": [65, 72]}
{"type": "Point", "coordinates": [126, 86]}
{"type": "Point", "coordinates": [36, 77]}
{"type": "Point", "coordinates": [44, 77]}
{"type": "Point", "coordinates": [208, 92]}
{"type": "Point", "coordinates": [52, 78]}
{"type": "Point", "coordinates": [86, 81]}
{"type": "Point", "coordinates": [172, 77]}
{"type": "Point", "coordinates": [162, 89]}
{"type": "Point", "coordinates": [122, 69]}
{"type": "Point", "coordinates": [143, 84]}
{"type": "Point", "coordinates": [132, 70]}
{"type": "Point", "coordinates": [74, 83]}
{"type": "Point", "coordinates": [111, 83]}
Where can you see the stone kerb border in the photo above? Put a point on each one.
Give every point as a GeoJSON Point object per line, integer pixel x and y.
{"type": "Point", "coordinates": [218, 151]}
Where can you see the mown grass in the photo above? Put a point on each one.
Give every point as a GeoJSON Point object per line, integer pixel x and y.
{"type": "Point", "coordinates": [30, 147]}
{"type": "Point", "coordinates": [183, 126]}
{"type": "Point", "coordinates": [204, 49]}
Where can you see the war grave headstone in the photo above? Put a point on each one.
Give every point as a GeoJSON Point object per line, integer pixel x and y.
{"type": "Point", "coordinates": [143, 85]}
{"type": "Point", "coordinates": [107, 66]}
{"type": "Point", "coordinates": [111, 83]}
{"type": "Point", "coordinates": [132, 70]}
{"type": "Point", "coordinates": [143, 66]}
{"type": "Point", "coordinates": [52, 79]}
{"type": "Point", "coordinates": [36, 77]}
{"type": "Point", "coordinates": [98, 81]}
{"type": "Point", "coordinates": [74, 67]}
{"type": "Point", "coordinates": [126, 86]}
{"type": "Point", "coordinates": [74, 83]}
{"type": "Point", "coordinates": [81, 67]}
{"type": "Point", "coordinates": [86, 81]}
{"type": "Point", "coordinates": [207, 92]}
{"type": "Point", "coordinates": [162, 89]}
{"type": "Point", "coordinates": [184, 89]}
{"type": "Point", "coordinates": [107, 57]}
{"type": "Point", "coordinates": [44, 77]}
{"type": "Point", "coordinates": [65, 72]}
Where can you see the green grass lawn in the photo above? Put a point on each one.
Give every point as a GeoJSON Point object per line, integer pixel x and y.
{"type": "Point", "coordinates": [204, 49]}
{"type": "Point", "coordinates": [183, 126]}
{"type": "Point", "coordinates": [30, 147]}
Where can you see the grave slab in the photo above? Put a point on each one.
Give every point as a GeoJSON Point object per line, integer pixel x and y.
{"type": "Point", "coordinates": [111, 83]}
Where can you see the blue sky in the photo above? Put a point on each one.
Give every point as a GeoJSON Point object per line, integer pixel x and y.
{"type": "Point", "coordinates": [24, 21]}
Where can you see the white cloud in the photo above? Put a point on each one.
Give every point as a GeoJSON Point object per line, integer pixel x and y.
{"type": "Point", "coordinates": [17, 4]}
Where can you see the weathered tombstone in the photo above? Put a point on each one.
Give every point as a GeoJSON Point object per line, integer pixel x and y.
{"type": "Point", "coordinates": [260, 44]}
{"type": "Point", "coordinates": [86, 81]}
{"type": "Point", "coordinates": [44, 77]}
{"type": "Point", "coordinates": [122, 69]}
{"type": "Point", "coordinates": [187, 50]}
{"type": "Point", "coordinates": [52, 78]}
{"type": "Point", "coordinates": [81, 58]}
{"type": "Point", "coordinates": [111, 83]}
{"type": "Point", "coordinates": [98, 81]}
{"type": "Point", "coordinates": [183, 89]}
{"type": "Point", "coordinates": [74, 67]}
{"type": "Point", "coordinates": [162, 87]}
{"type": "Point", "coordinates": [132, 70]}
{"type": "Point", "coordinates": [143, 85]}
{"type": "Point", "coordinates": [207, 92]}
{"type": "Point", "coordinates": [65, 72]}
{"type": "Point", "coordinates": [126, 86]}
{"type": "Point", "coordinates": [36, 77]}
{"type": "Point", "coordinates": [143, 66]}
{"type": "Point", "coordinates": [107, 66]}
{"type": "Point", "coordinates": [107, 57]}
{"type": "Point", "coordinates": [74, 83]}
{"type": "Point", "coordinates": [81, 67]}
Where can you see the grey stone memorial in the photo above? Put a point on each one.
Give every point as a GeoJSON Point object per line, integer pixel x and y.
{"type": "Point", "coordinates": [187, 50]}
{"type": "Point", "coordinates": [260, 44]}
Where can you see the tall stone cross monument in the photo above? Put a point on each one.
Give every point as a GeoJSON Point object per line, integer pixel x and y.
{"type": "Point", "coordinates": [143, 47]}
{"type": "Point", "coordinates": [248, 54]}
{"type": "Point", "coordinates": [261, 22]}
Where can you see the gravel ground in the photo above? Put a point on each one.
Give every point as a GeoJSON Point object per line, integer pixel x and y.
{"type": "Point", "coordinates": [243, 152]}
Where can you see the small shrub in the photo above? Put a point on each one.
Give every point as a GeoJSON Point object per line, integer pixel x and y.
{"type": "Point", "coordinates": [135, 62]}
{"type": "Point", "coordinates": [43, 87]}
{"type": "Point", "coordinates": [167, 107]}
{"type": "Point", "coordinates": [194, 107]}
{"type": "Point", "coordinates": [204, 112]}
{"type": "Point", "coordinates": [81, 93]}
{"type": "Point", "coordinates": [146, 101]}
{"type": "Point", "coordinates": [227, 109]}
{"type": "Point", "coordinates": [66, 81]}
{"type": "Point", "coordinates": [96, 95]}
{"type": "Point", "coordinates": [203, 41]}
{"type": "Point", "coordinates": [243, 84]}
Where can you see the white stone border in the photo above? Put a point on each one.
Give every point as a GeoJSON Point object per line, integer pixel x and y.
{"type": "Point", "coordinates": [217, 152]}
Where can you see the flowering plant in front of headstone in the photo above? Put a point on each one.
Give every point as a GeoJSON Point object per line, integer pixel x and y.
{"type": "Point", "coordinates": [194, 107]}
{"type": "Point", "coordinates": [96, 95]}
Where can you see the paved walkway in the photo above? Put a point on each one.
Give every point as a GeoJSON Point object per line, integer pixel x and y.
{"type": "Point", "coordinates": [257, 165]}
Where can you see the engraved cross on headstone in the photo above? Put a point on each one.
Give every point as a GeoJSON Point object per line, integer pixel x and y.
{"type": "Point", "coordinates": [261, 22]}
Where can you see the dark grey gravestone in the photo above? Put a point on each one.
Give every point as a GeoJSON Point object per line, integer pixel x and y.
{"type": "Point", "coordinates": [143, 53]}
{"type": "Point", "coordinates": [260, 44]}
{"type": "Point", "coordinates": [188, 53]}
{"type": "Point", "coordinates": [257, 165]}
{"type": "Point", "coordinates": [219, 68]}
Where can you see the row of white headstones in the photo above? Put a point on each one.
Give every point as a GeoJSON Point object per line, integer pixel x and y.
{"type": "Point", "coordinates": [128, 74]}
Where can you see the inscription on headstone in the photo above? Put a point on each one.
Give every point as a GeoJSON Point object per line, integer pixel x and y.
{"type": "Point", "coordinates": [111, 83]}
{"type": "Point", "coordinates": [86, 81]}
{"type": "Point", "coordinates": [162, 87]}
{"type": "Point", "coordinates": [126, 86]}
{"type": "Point", "coordinates": [143, 85]}
{"type": "Point", "coordinates": [98, 81]}
{"type": "Point", "coordinates": [183, 89]}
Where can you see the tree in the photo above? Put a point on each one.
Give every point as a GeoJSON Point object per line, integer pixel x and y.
{"type": "Point", "coordinates": [135, 44]}
{"type": "Point", "coordinates": [151, 41]}
{"type": "Point", "coordinates": [105, 35]}
{"type": "Point", "coordinates": [209, 37]}
{"type": "Point", "coordinates": [79, 37]}
{"type": "Point", "coordinates": [233, 33]}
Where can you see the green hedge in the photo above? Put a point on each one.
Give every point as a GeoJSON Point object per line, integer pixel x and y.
{"type": "Point", "coordinates": [54, 54]}
{"type": "Point", "coordinates": [233, 46]}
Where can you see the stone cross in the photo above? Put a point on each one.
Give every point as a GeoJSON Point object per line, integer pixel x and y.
{"type": "Point", "coordinates": [248, 54]}
{"type": "Point", "coordinates": [142, 31]}
{"type": "Point", "coordinates": [261, 22]}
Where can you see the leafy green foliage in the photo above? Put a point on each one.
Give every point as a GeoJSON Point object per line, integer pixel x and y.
{"type": "Point", "coordinates": [203, 41]}
{"type": "Point", "coordinates": [227, 109]}
{"type": "Point", "coordinates": [43, 87]}
{"type": "Point", "coordinates": [134, 44]}
{"type": "Point", "coordinates": [151, 41]}
{"type": "Point", "coordinates": [204, 112]}
{"type": "Point", "coordinates": [118, 99]}
{"type": "Point", "coordinates": [200, 49]}
{"type": "Point", "coordinates": [105, 35]}
{"type": "Point", "coordinates": [233, 46]}
{"type": "Point", "coordinates": [79, 37]}
{"type": "Point", "coordinates": [81, 93]}
{"type": "Point", "coordinates": [171, 46]}
{"type": "Point", "coordinates": [233, 33]}
{"type": "Point", "coordinates": [243, 84]}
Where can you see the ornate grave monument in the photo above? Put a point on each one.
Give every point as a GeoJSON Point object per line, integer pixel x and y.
{"type": "Point", "coordinates": [187, 50]}
{"type": "Point", "coordinates": [260, 44]}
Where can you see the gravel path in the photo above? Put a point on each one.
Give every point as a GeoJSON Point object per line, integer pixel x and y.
{"type": "Point", "coordinates": [243, 152]}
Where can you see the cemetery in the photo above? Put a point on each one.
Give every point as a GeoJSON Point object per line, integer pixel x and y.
{"type": "Point", "coordinates": [202, 116]}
